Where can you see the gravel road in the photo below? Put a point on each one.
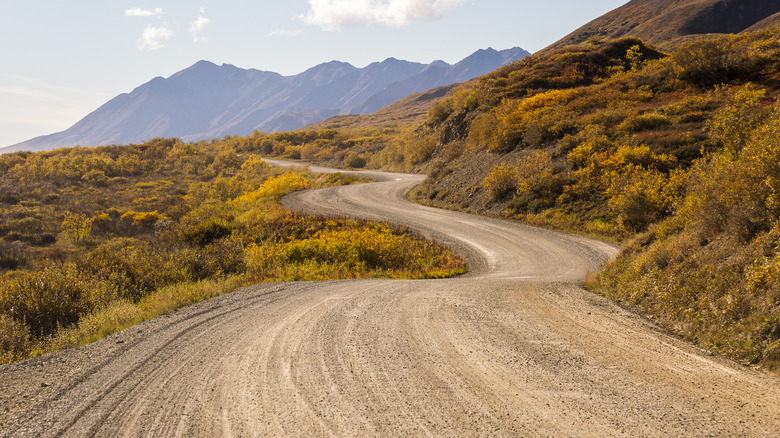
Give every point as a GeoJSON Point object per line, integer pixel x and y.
{"type": "Point", "coordinates": [514, 348]}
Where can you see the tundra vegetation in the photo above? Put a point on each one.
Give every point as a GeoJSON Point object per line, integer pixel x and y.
{"type": "Point", "coordinates": [675, 155]}
{"type": "Point", "coordinates": [95, 240]}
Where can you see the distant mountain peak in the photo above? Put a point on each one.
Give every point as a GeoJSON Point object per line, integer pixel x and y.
{"type": "Point", "coordinates": [204, 63]}
{"type": "Point", "coordinates": [333, 63]}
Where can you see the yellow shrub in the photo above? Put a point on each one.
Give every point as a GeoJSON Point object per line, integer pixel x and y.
{"type": "Point", "coordinates": [639, 196]}
{"type": "Point", "coordinates": [14, 339]}
{"type": "Point", "coordinates": [500, 181]}
{"type": "Point", "coordinates": [546, 100]}
{"type": "Point", "coordinates": [275, 188]}
{"type": "Point", "coordinates": [348, 249]}
{"type": "Point", "coordinates": [76, 227]}
{"type": "Point", "coordinates": [482, 131]}
{"type": "Point", "coordinates": [733, 125]}
{"type": "Point", "coordinates": [534, 171]}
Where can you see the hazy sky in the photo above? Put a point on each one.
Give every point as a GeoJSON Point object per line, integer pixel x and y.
{"type": "Point", "coordinates": [60, 60]}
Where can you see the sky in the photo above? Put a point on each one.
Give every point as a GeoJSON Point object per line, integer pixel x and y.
{"type": "Point", "coordinates": [61, 60]}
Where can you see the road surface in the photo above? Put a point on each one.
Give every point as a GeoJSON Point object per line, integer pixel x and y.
{"type": "Point", "coordinates": [514, 348]}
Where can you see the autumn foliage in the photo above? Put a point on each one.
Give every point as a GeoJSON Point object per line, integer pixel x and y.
{"type": "Point", "coordinates": [92, 240]}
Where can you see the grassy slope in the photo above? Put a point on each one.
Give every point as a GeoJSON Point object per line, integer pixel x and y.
{"type": "Point", "coordinates": [412, 109]}
{"type": "Point", "coordinates": [619, 140]}
{"type": "Point", "coordinates": [648, 151]}
{"type": "Point", "coordinates": [95, 240]}
{"type": "Point", "coordinates": [770, 22]}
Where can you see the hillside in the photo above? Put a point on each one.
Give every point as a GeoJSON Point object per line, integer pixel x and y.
{"type": "Point", "coordinates": [767, 23]}
{"type": "Point", "coordinates": [663, 22]}
{"type": "Point", "coordinates": [209, 101]}
{"type": "Point", "coordinates": [675, 155]}
{"type": "Point", "coordinates": [410, 110]}
{"type": "Point", "coordinates": [94, 240]}
{"type": "Point", "coordinates": [654, 152]}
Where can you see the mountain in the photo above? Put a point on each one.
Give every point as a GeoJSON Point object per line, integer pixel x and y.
{"type": "Point", "coordinates": [438, 74]}
{"type": "Point", "coordinates": [207, 100]}
{"type": "Point", "coordinates": [664, 22]}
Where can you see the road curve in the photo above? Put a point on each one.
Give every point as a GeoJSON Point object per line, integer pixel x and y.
{"type": "Point", "coordinates": [514, 348]}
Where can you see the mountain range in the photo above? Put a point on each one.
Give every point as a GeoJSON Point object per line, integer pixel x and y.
{"type": "Point", "coordinates": [207, 101]}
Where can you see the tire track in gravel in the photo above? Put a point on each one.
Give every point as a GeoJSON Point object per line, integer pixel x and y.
{"type": "Point", "coordinates": [514, 348]}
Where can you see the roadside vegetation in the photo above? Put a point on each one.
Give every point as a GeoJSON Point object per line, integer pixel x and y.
{"type": "Point", "coordinates": [675, 155]}
{"type": "Point", "coordinates": [672, 154]}
{"type": "Point", "coordinates": [95, 240]}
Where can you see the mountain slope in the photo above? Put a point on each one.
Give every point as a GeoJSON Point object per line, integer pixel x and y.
{"type": "Point", "coordinates": [207, 101]}
{"type": "Point", "coordinates": [661, 22]}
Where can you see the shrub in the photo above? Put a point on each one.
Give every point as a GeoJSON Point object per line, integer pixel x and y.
{"type": "Point", "coordinates": [639, 197]}
{"type": "Point", "coordinates": [227, 159]}
{"type": "Point", "coordinates": [14, 339]}
{"type": "Point", "coordinates": [500, 181]}
{"type": "Point", "coordinates": [76, 227]}
{"type": "Point", "coordinates": [101, 224]}
{"type": "Point", "coordinates": [276, 188]}
{"type": "Point", "coordinates": [482, 131]}
{"type": "Point", "coordinates": [534, 172]}
{"type": "Point", "coordinates": [110, 263]}
{"type": "Point", "coordinates": [538, 185]}
{"type": "Point", "coordinates": [12, 255]}
{"type": "Point", "coordinates": [348, 248]}
{"type": "Point", "coordinates": [206, 232]}
{"type": "Point", "coordinates": [95, 177]}
{"type": "Point", "coordinates": [417, 146]}
{"type": "Point", "coordinates": [46, 300]}
{"type": "Point", "coordinates": [644, 122]}
{"type": "Point", "coordinates": [733, 125]}
{"type": "Point", "coordinates": [142, 222]}
{"type": "Point", "coordinates": [255, 166]}
{"type": "Point", "coordinates": [709, 62]}
{"type": "Point", "coordinates": [354, 160]}
{"type": "Point", "coordinates": [440, 111]}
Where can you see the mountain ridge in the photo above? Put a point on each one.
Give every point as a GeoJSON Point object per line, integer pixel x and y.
{"type": "Point", "coordinates": [207, 100]}
{"type": "Point", "coordinates": [664, 23]}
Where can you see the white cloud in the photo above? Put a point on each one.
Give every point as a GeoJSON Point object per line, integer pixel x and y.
{"type": "Point", "coordinates": [152, 37]}
{"type": "Point", "coordinates": [283, 33]}
{"type": "Point", "coordinates": [197, 26]}
{"type": "Point", "coordinates": [138, 12]}
{"type": "Point", "coordinates": [333, 15]}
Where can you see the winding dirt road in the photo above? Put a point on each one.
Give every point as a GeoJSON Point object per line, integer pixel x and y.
{"type": "Point", "coordinates": [514, 348]}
